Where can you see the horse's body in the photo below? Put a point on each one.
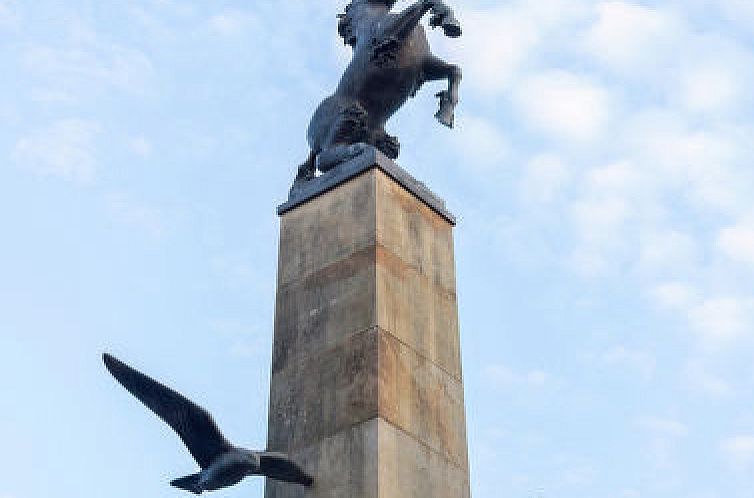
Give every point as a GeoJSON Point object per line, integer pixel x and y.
{"type": "Point", "coordinates": [391, 60]}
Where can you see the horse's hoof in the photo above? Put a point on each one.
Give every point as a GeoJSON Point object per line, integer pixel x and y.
{"type": "Point", "coordinates": [444, 17]}
{"type": "Point", "coordinates": [446, 118]}
{"type": "Point", "coordinates": [390, 146]}
{"type": "Point", "coordinates": [445, 115]}
{"type": "Point", "coordinates": [451, 27]}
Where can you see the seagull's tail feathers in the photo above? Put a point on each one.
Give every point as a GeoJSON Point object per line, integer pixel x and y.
{"type": "Point", "coordinates": [189, 483]}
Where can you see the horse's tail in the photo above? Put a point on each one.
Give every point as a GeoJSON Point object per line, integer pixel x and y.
{"type": "Point", "coordinates": [308, 168]}
{"type": "Point", "coordinates": [305, 172]}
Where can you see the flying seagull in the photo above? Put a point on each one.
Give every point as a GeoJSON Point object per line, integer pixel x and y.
{"type": "Point", "coordinates": [222, 464]}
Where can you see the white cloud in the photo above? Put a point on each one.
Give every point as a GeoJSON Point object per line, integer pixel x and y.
{"type": "Point", "coordinates": [51, 96]}
{"type": "Point", "coordinates": [8, 16]}
{"type": "Point", "coordinates": [678, 296]}
{"type": "Point", "coordinates": [642, 363]}
{"type": "Point", "coordinates": [580, 477]}
{"type": "Point", "coordinates": [233, 22]}
{"type": "Point", "coordinates": [630, 493]}
{"type": "Point", "coordinates": [140, 146]}
{"type": "Point", "coordinates": [738, 11]}
{"type": "Point", "coordinates": [136, 214]}
{"type": "Point", "coordinates": [737, 243]}
{"type": "Point", "coordinates": [663, 250]}
{"type": "Point", "coordinates": [619, 178]}
{"type": "Point", "coordinates": [720, 321]}
{"type": "Point", "coordinates": [627, 36]}
{"type": "Point", "coordinates": [663, 426]}
{"type": "Point", "coordinates": [716, 79]}
{"type": "Point", "coordinates": [673, 176]}
{"type": "Point", "coordinates": [599, 218]}
{"type": "Point", "coordinates": [502, 376]}
{"type": "Point", "coordinates": [739, 451]}
{"type": "Point", "coordinates": [715, 387]}
{"type": "Point", "coordinates": [710, 88]}
{"type": "Point", "coordinates": [495, 45]}
{"type": "Point", "coordinates": [500, 42]}
{"type": "Point", "coordinates": [599, 223]}
{"type": "Point", "coordinates": [613, 200]}
{"type": "Point", "coordinates": [481, 143]}
{"type": "Point", "coordinates": [663, 455]}
{"type": "Point", "coordinates": [234, 269]}
{"type": "Point", "coordinates": [75, 69]}
{"type": "Point", "coordinates": [702, 381]}
{"type": "Point", "coordinates": [544, 179]}
{"type": "Point", "coordinates": [705, 165]}
{"type": "Point", "coordinates": [66, 149]}
{"type": "Point", "coordinates": [564, 105]}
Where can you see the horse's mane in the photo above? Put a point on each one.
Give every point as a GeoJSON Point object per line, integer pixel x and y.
{"type": "Point", "coordinates": [389, 3]}
{"type": "Point", "coordinates": [345, 23]}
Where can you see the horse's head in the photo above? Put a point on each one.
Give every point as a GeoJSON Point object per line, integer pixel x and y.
{"type": "Point", "coordinates": [357, 14]}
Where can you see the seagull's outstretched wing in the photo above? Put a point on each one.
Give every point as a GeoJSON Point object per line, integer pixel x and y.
{"type": "Point", "coordinates": [193, 424]}
{"type": "Point", "coordinates": [280, 467]}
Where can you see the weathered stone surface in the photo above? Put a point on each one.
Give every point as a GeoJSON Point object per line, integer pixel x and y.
{"type": "Point", "coordinates": [414, 233]}
{"type": "Point", "coordinates": [408, 468]}
{"type": "Point", "coordinates": [417, 312]}
{"type": "Point", "coordinates": [367, 390]}
{"type": "Point", "coordinates": [324, 308]}
{"type": "Point", "coordinates": [416, 299]}
{"type": "Point", "coordinates": [371, 374]}
{"type": "Point", "coordinates": [345, 465]}
{"type": "Point", "coordinates": [327, 229]}
{"type": "Point", "coordinates": [374, 459]}
{"type": "Point", "coordinates": [422, 400]}
{"type": "Point", "coordinates": [320, 395]}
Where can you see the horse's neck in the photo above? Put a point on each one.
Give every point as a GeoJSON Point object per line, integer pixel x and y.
{"type": "Point", "coordinates": [369, 29]}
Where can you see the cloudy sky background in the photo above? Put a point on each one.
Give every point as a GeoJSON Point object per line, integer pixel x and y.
{"type": "Point", "coordinates": [601, 169]}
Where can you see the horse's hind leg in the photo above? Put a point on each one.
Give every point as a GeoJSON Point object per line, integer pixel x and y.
{"type": "Point", "coordinates": [337, 154]}
{"type": "Point", "coordinates": [434, 69]}
{"type": "Point", "coordinates": [346, 138]}
{"type": "Point", "coordinates": [387, 144]}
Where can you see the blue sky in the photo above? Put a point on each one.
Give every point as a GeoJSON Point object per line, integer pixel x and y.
{"type": "Point", "coordinates": [600, 169]}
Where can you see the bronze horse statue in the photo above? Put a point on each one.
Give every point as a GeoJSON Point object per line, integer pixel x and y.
{"type": "Point", "coordinates": [391, 60]}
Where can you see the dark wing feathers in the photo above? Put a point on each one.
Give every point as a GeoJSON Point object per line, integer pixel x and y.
{"type": "Point", "coordinates": [280, 467]}
{"type": "Point", "coordinates": [193, 423]}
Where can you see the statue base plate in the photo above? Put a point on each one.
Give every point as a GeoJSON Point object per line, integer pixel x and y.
{"type": "Point", "coordinates": [356, 166]}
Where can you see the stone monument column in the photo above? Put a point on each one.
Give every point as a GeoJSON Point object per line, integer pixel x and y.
{"type": "Point", "coordinates": [367, 390]}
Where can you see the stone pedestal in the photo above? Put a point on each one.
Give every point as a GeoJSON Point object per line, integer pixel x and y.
{"type": "Point", "coordinates": [367, 391]}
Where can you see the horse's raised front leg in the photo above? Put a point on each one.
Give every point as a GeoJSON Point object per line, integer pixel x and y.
{"type": "Point", "coordinates": [401, 25]}
{"type": "Point", "coordinates": [437, 69]}
{"type": "Point", "coordinates": [442, 15]}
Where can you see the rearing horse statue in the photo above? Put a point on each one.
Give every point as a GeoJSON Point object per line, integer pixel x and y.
{"type": "Point", "coordinates": [391, 60]}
